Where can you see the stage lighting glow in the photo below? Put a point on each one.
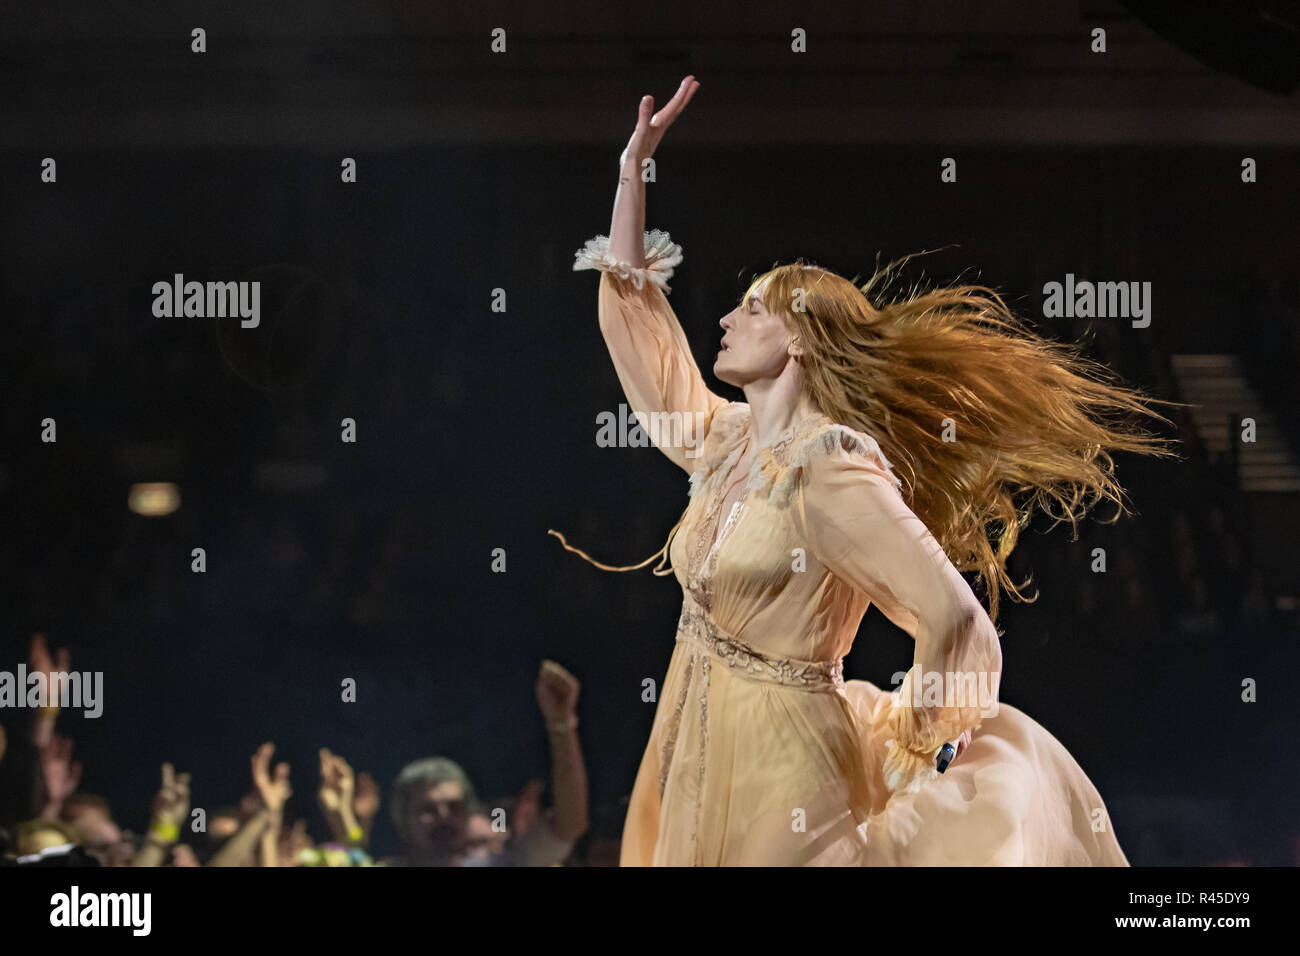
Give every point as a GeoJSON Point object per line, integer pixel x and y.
{"type": "Point", "coordinates": [153, 499]}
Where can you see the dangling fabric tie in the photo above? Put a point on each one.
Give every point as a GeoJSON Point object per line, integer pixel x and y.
{"type": "Point", "coordinates": [661, 554]}
{"type": "Point", "coordinates": [726, 430]}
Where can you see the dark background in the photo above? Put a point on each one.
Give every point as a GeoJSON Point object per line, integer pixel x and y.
{"type": "Point", "coordinates": [477, 429]}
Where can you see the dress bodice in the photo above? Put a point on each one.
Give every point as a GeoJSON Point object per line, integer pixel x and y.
{"type": "Point", "coordinates": [759, 581]}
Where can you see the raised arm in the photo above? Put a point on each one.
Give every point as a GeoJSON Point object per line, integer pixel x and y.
{"type": "Point", "coordinates": [857, 524]}
{"type": "Point", "coordinates": [240, 848]}
{"type": "Point", "coordinates": [628, 221]}
{"type": "Point", "coordinates": [171, 806]}
{"type": "Point", "coordinates": [663, 384]}
{"type": "Point", "coordinates": [557, 697]}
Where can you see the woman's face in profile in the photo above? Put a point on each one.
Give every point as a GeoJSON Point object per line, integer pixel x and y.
{"type": "Point", "coordinates": [755, 343]}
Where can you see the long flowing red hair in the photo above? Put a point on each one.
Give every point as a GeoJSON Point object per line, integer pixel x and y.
{"type": "Point", "coordinates": [984, 421]}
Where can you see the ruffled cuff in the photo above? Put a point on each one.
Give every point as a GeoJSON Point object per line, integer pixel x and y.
{"type": "Point", "coordinates": [915, 733]}
{"type": "Point", "coordinates": [662, 255]}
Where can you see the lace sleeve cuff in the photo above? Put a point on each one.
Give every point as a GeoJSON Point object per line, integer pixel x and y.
{"type": "Point", "coordinates": [662, 255]}
{"type": "Point", "coordinates": [914, 736]}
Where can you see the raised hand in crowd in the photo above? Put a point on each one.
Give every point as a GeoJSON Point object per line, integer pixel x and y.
{"type": "Point", "coordinates": [557, 698]}
{"type": "Point", "coordinates": [366, 802]}
{"type": "Point", "coordinates": [275, 791]}
{"type": "Point", "coordinates": [60, 774]}
{"type": "Point", "coordinates": [39, 660]}
{"type": "Point", "coordinates": [337, 797]}
{"type": "Point", "coordinates": [171, 807]}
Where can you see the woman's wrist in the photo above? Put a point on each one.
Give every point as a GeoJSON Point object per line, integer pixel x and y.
{"type": "Point", "coordinates": [629, 172]}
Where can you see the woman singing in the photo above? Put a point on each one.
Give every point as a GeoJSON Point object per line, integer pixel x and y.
{"type": "Point", "coordinates": [760, 752]}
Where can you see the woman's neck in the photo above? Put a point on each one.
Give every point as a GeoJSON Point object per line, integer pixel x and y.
{"type": "Point", "coordinates": [775, 405]}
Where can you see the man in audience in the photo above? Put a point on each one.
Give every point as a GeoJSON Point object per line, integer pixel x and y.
{"type": "Point", "coordinates": [440, 821]}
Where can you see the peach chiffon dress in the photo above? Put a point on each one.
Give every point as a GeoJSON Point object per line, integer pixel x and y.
{"type": "Point", "coordinates": [760, 752]}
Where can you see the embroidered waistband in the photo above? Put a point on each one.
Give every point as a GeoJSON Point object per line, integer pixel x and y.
{"type": "Point", "coordinates": [697, 627]}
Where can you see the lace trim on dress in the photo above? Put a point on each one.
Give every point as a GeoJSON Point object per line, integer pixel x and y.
{"type": "Point", "coordinates": [695, 625]}
{"type": "Point", "coordinates": [782, 477]}
{"type": "Point", "coordinates": [662, 256]}
{"type": "Point", "coordinates": [674, 722]}
{"type": "Point", "coordinates": [725, 432]}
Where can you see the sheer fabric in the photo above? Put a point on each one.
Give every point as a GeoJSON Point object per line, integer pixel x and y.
{"type": "Point", "coordinates": [760, 753]}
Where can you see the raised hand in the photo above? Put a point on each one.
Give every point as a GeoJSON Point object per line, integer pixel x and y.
{"type": "Point", "coordinates": [651, 126]}
{"type": "Point", "coordinates": [337, 782]}
{"type": "Point", "coordinates": [41, 661]}
{"type": "Point", "coordinates": [557, 693]}
{"type": "Point", "coordinates": [61, 774]}
{"type": "Point", "coordinates": [170, 805]}
{"type": "Point", "coordinates": [366, 802]}
{"type": "Point", "coordinates": [273, 789]}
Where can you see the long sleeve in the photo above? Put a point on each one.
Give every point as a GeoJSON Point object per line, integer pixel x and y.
{"type": "Point", "coordinates": [856, 522]}
{"type": "Point", "coordinates": [664, 387]}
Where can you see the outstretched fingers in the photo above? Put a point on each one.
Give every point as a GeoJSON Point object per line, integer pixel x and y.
{"type": "Point", "coordinates": [665, 117]}
{"type": "Point", "coordinates": [261, 764]}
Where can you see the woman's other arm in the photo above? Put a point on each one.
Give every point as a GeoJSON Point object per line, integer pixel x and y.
{"type": "Point", "coordinates": [857, 524]}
